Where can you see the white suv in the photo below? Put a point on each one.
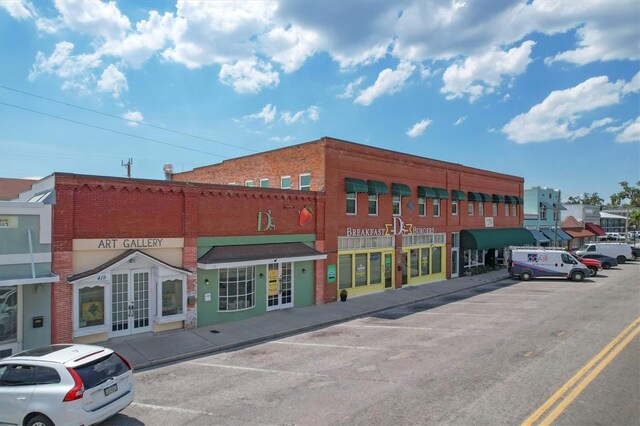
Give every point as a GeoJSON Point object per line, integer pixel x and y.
{"type": "Point", "coordinates": [64, 385]}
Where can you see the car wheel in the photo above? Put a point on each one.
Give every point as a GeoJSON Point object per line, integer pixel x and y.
{"type": "Point", "coordinates": [525, 276]}
{"type": "Point", "coordinates": [577, 276]}
{"type": "Point", "coordinates": [593, 271]}
{"type": "Point", "coordinates": [621, 259]}
{"type": "Point", "coordinates": [606, 265]}
{"type": "Point", "coordinates": [40, 420]}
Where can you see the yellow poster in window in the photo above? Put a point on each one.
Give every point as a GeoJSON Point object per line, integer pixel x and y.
{"type": "Point", "coordinates": [272, 282]}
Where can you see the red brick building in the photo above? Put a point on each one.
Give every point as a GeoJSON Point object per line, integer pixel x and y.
{"type": "Point", "coordinates": [142, 255]}
{"type": "Point", "coordinates": [391, 218]}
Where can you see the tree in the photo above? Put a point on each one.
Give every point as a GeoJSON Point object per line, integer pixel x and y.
{"type": "Point", "coordinates": [634, 219]}
{"type": "Point", "coordinates": [631, 193]}
{"type": "Point", "coordinates": [589, 199]}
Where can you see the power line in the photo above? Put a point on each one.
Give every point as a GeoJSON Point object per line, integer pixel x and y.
{"type": "Point", "coordinates": [111, 130]}
{"type": "Point", "coordinates": [125, 119]}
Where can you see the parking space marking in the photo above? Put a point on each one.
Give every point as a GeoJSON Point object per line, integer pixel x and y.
{"type": "Point", "coordinates": [174, 409]}
{"type": "Point", "coordinates": [364, 348]}
{"type": "Point", "coordinates": [408, 327]}
{"type": "Point", "coordinates": [515, 305]}
{"type": "Point", "coordinates": [461, 313]}
{"type": "Point", "coordinates": [259, 370]}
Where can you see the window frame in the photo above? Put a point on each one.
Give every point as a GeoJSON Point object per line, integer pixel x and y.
{"type": "Point", "coordinates": [494, 210]}
{"type": "Point", "coordinates": [282, 178]}
{"type": "Point", "coordinates": [480, 208]}
{"type": "Point", "coordinates": [160, 317]}
{"type": "Point", "coordinates": [422, 206]}
{"type": "Point", "coordinates": [396, 205]}
{"type": "Point", "coordinates": [506, 210]}
{"type": "Point", "coordinates": [470, 208]}
{"type": "Point", "coordinates": [305, 187]}
{"type": "Point", "coordinates": [248, 183]}
{"type": "Point", "coordinates": [454, 207]}
{"type": "Point", "coordinates": [263, 181]}
{"type": "Point", "coordinates": [436, 207]}
{"type": "Point", "coordinates": [375, 200]}
{"type": "Point", "coordinates": [237, 295]}
{"type": "Point", "coordinates": [353, 197]}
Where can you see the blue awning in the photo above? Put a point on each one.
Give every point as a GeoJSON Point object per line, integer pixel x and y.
{"type": "Point", "coordinates": [561, 235]}
{"type": "Point", "coordinates": [539, 236]}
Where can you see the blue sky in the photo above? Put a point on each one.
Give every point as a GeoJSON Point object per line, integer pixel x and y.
{"type": "Point", "coordinates": [546, 90]}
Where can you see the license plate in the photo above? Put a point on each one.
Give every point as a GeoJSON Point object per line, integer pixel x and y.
{"type": "Point", "coordinates": [111, 389]}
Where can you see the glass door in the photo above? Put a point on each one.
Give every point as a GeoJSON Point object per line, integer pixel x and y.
{"type": "Point", "coordinates": [279, 286]}
{"type": "Point", "coordinates": [455, 254]}
{"type": "Point", "coordinates": [130, 307]}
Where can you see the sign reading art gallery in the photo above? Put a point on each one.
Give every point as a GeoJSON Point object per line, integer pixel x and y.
{"type": "Point", "coordinates": [127, 243]}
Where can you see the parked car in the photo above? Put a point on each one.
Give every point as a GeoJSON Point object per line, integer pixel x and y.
{"type": "Point", "coordinates": [606, 261]}
{"type": "Point", "coordinates": [613, 236]}
{"type": "Point", "coordinates": [593, 265]}
{"type": "Point", "coordinates": [635, 251]}
{"type": "Point", "coordinates": [64, 385]}
{"type": "Point", "coordinates": [8, 313]}
{"type": "Point", "coordinates": [532, 262]}
{"type": "Point", "coordinates": [621, 251]}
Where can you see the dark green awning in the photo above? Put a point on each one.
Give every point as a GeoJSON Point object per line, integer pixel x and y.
{"type": "Point", "coordinates": [485, 197]}
{"type": "Point", "coordinates": [355, 185]}
{"type": "Point", "coordinates": [474, 196]}
{"type": "Point", "coordinates": [400, 189]}
{"type": "Point", "coordinates": [458, 195]}
{"type": "Point", "coordinates": [426, 192]}
{"type": "Point", "coordinates": [508, 199]}
{"type": "Point", "coordinates": [495, 238]}
{"type": "Point", "coordinates": [518, 200]}
{"type": "Point", "coordinates": [441, 193]}
{"type": "Point", "coordinates": [376, 187]}
{"type": "Point", "coordinates": [497, 198]}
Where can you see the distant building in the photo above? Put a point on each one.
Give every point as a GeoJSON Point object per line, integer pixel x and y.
{"type": "Point", "coordinates": [10, 188]}
{"type": "Point", "coordinates": [613, 222]}
{"type": "Point", "coordinates": [542, 216]}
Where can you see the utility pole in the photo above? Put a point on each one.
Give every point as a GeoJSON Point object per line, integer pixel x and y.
{"type": "Point", "coordinates": [127, 165]}
{"type": "Point", "coordinates": [556, 213]}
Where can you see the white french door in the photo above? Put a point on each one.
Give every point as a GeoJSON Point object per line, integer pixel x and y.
{"type": "Point", "coordinates": [279, 286]}
{"type": "Point", "coordinates": [130, 303]}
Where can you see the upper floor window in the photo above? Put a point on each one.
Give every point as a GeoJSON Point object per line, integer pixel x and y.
{"type": "Point", "coordinates": [422, 206]}
{"type": "Point", "coordinates": [373, 204]}
{"type": "Point", "coordinates": [514, 210]}
{"type": "Point", "coordinates": [285, 182]}
{"type": "Point", "coordinates": [436, 207]}
{"type": "Point", "coordinates": [397, 209]}
{"type": "Point", "coordinates": [506, 210]}
{"type": "Point", "coordinates": [454, 207]}
{"type": "Point", "coordinates": [352, 203]}
{"type": "Point", "coordinates": [543, 212]}
{"type": "Point", "coordinates": [480, 208]}
{"type": "Point", "coordinates": [305, 182]}
{"type": "Point", "coordinates": [264, 183]}
{"type": "Point", "coordinates": [495, 209]}
{"type": "Point", "coordinates": [471, 208]}
{"type": "Point", "coordinates": [248, 183]}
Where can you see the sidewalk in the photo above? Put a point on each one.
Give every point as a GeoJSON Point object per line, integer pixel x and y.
{"type": "Point", "coordinates": [152, 349]}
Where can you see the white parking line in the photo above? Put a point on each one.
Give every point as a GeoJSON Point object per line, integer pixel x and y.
{"type": "Point", "coordinates": [460, 313]}
{"type": "Point", "coordinates": [261, 370]}
{"type": "Point", "coordinates": [365, 348]}
{"type": "Point", "coordinates": [400, 327]}
{"type": "Point", "coordinates": [175, 409]}
{"type": "Point", "coordinates": [515, 305]}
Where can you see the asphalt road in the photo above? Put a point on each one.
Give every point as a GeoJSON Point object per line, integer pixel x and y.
{"type": "Point", "coordinates": [489, 356]}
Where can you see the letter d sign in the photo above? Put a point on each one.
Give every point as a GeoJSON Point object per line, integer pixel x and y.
{"type": "Point", "coordinates": [270, 224]}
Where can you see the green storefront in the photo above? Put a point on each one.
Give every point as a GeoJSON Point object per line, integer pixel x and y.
{"type": "Point", "coordinates": [240, 277]}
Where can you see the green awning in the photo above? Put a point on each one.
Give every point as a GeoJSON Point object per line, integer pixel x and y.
{"type": "Point", "coordinates": [495, 238]}
{"type": "Point", "coordinates": [355, 185]}
{"type": "Point", "coordinates": [518, 200]}
{"type": "Point", "coordinates": [400, 189]}
{"type": "Point", "coordinates": [458, 195]}
{"type": "Point", "coordinates": [376, 187]}
{"type": "Point", "coordinates": [497, 198]}
{"type": "Point", "coordinates": [508, 199]}
{"type": "Point", "coordinates": [441, 193]}
{"type": "Point", "coordinates": [474, 196]}
{"type": "Point", "coordinates": [426, 192]}
{"type": "Point", "coordinates": [485, 197]}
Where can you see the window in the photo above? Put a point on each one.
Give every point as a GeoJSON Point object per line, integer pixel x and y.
{"type": "Point", "coordinates": [352, 203]}
{"type": "Point", "coordinates": [454, 207]}
{"type": "Point", "coordinates": [91, 303]}
{"type": "Point", "coordinates": [46, 375]}
{"type": "Point", "coordinates": [236, 290]}
{"type": "Point", "coordinates": [373, 204]}
{"type": "Point", "coordinates": [480, 208]}
{"type": "Point", "coordinates": [566, 258]}
{"type": "Point", "coordinates": [514, 210]}
{"type": "Point", "coordinates": [344, 271]}
{"type": "Point", "coordinates": [424, 262]}
{"type": "Point", "coordinates": [361, 269]}
{"type": "Point", "coordinates": [375, 268]}
{"type": "Point", "coordinates": [18, 375]}
{"type": "Point", "coordinates": [285, 182]}
{"type": "Point", "coordinates": [305, 182]}
{"type": "Point", "coordinates": [506, 210]}
{"type": "Point", "coordinates": [543, 212]}
{"type": "Point", "coordinates": [264, 183]}
{"type": "Point", "coordinates": [422, 206]}
{"type": "Point", "coordinates": [495, 209]}
{"type": "Point", "coordinates": [172, 297]}
{"type": "Point", "coordinates": [248, 183]}
{"type": "Point", "coordinates": [436, 207]}
{"type": "Point", "coordinates": [436, 260]}
{"type": "Point", "coordinates": [470, 208]}
{"type": "Point", "coordinates": [397, 200]}
{"type": "Point", "coordinates": [8, 313]}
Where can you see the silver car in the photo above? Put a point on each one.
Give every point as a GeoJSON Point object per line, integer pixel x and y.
{"type": "Point", "coordinates": [64, 385]}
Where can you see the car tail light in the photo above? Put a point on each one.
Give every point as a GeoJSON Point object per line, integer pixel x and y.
{"type": "Point", "coordinates": [125, 361]}
{"type": "Point", "coordinates": [77, 391]}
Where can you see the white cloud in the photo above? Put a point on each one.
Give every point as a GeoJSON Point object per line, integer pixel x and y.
{"type": "Point", "coordinates": [94, 18]}
{"type": "Point", "coordinates": [351, 87]}
{"type": "Point", "coordinates": [19, 9]}
{"type": "Point", "coordinates": [134, 117]}
{"type": "Point", "coordinates": [289, 46]}
{"type": "Point", "coordinates": [482, 74]}
{"type": "Point", "coordinates": [249, 76]}
{"type": "Point", "coordinates": [312, 113]}
{"type": "Point", "coordinates": [75, 70]}
{"type": "Point", "coordinates": [557, 116]}
{"type": "Point", "coordinates": [282, 139]}
{"type": "Point", "coordinates": [418, 128]}
{"type": "Point", "coordinates": [630, 131]}
{"type": "Point", "coordinates": [267, 114]}
{"type": "Point", "coordinates": [112, 81]}
{"type": "Point", "coordinates": [388, 82]}
{"type": "Point", "coordinates": [459, 121]}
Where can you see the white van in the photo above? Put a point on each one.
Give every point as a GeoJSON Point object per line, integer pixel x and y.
{"type": "Point", "coordinates": [619, 251]}
{"type": "Point", "coordinates": [533, 262]}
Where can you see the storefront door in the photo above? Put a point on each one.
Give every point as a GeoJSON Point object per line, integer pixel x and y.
{"type": "Point", "coordinates": [9, 317]}
{"type": "Point", "coordinates": [130, 303]}
{"type": "Point", "coordinates": [279, 286]}
{"type": "Point", "coordinates": [388, 270]}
